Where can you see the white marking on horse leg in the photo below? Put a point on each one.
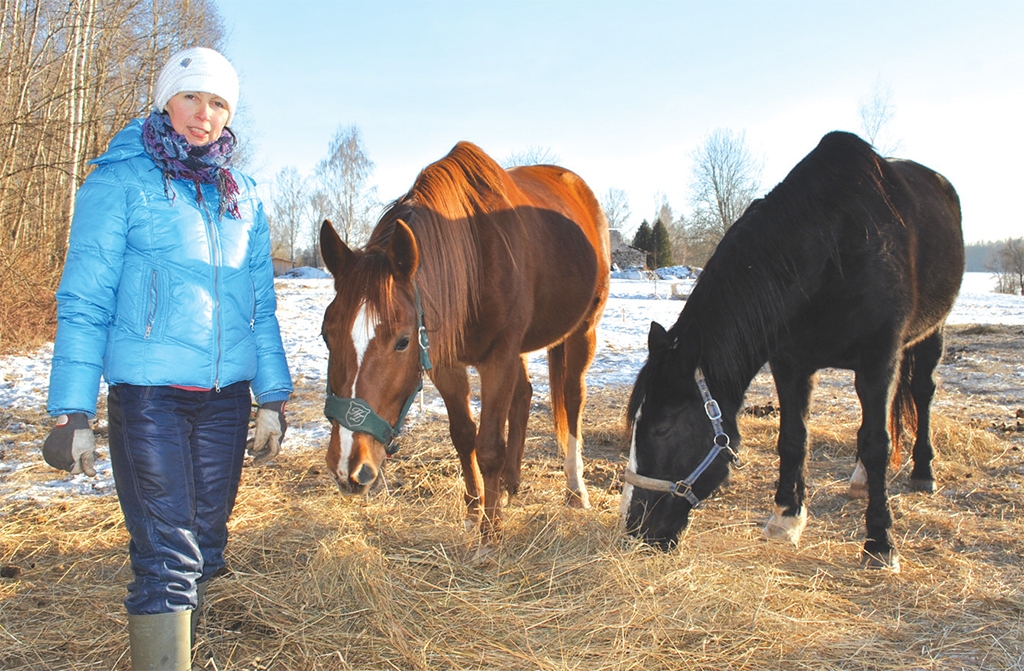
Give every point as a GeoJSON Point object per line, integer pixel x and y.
{"type": "Point", "coordinates": [858, 482]}
{"type": "Point", "coordinates": [627, 489]}
{"type": "Point", "coordinates": [783, 527]}
{"type": "Point", "coordinates": [574, 472]}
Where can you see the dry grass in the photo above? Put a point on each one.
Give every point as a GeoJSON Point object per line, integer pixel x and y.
{"type": "Point", "coordinates": [392, 582]}
{"type": "Point", "coordinates": [28, 311]}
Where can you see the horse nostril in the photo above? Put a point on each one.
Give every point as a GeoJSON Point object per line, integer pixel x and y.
{"type": "Point", "coordinates": [365, 475]}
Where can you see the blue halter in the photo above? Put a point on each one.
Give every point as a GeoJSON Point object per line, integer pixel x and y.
{"type": "Point", "coordinates": [356, 415]}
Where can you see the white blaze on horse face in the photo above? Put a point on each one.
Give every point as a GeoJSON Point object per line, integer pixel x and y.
{"type": "Point", "coordinates": [363, 331]}
{"type": "Point", "coordinates": [345, 442]}
{"type": "Point", "coordinates": [627, 489]}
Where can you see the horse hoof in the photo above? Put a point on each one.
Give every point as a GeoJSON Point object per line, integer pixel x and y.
{"type": "Point", "coordinates": [858, 482]}
{"type": "Point", "coordinates": [857, 490]}
{"type": "Point", "coordinates": [786, 528]}
{"type": "Point", "coordinates": [889, 560]}
{"type": "Point", "coordinates": [579, 499]}
{"type": "Point", "coordinates": [925, 486]}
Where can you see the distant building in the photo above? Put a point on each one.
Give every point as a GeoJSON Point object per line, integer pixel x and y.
{"type": "Point", "coordinates": [624, 256]}
{"type": "Point", "coordinates": [282, 266]}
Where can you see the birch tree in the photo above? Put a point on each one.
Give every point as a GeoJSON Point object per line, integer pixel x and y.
{"type": "Point", "coordinates": [72, 73]}
{"type": "Point", "coordinates": [343, 193]}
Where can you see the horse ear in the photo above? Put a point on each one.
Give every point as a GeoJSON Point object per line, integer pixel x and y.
{"type": "Point", "coordinates": [403, 254]}
{"type": "Point", "coordinates": [657, 338]}
{"type": "Point", "coordinates": [335, 252]}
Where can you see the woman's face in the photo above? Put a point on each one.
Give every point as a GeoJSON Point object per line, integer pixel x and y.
{"type": "Point", "coordinates": [200, 117]}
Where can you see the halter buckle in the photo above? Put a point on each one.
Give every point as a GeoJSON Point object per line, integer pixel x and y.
{"type": "Point", "coordinates": [681, 489]}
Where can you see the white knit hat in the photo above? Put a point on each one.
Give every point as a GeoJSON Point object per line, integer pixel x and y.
{"type": "Point", "coordinates": [197, 69]}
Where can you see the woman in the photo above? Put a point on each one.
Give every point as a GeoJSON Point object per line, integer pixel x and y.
{"type": "Point", "coordinates": [168, 292]}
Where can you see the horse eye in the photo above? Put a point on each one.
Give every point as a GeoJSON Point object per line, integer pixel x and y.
{"type": "Point", "coordinates": [402, 344]}
{"type": "Point", "coordinates": [660, 430]}
{"type": "Point", "coordinates": [660, 427]}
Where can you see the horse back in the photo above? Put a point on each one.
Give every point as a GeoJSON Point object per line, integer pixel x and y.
{"type": "Point", "coordinates": [560, 197]}
{"type": "Point", "coordinates": [895, 270]}
{"type": "Point", "coordinates": [929, 209]}
{"type": "Point", "coordinates": [563, 261]}
{"type": "Point", "coordinates": [848, 252]}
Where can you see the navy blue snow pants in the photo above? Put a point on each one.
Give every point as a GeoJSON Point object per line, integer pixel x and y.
{"type": "Point", "coordinates": [177, 460]}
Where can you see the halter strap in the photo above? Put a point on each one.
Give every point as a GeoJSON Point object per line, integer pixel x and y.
{"type": "Point", "coordinates": [356, 415]}
{"type": "Point", "coordinates": [684, 488]}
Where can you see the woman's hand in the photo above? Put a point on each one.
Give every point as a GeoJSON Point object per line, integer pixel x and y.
{"type": "Point", "coordinates": [71, 445]}
{"type": "Point", "coordinates": [270, 429]}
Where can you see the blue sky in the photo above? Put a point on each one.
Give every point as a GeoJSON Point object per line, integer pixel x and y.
{"type": "Point", "coordinates": [622, 92]}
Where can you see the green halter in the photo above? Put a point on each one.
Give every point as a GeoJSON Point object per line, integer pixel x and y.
{"type": "Point", "coordinates": [356, 414]}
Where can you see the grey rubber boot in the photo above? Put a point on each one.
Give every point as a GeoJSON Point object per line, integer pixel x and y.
{"type": "Point", "coordinates": [161, 642]}
{"type": "Point", "coordinates": [198, 612]}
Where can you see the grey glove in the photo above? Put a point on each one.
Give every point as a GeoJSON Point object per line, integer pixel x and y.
{"type": "Point", "coordinates": [270, 429]}
{"type": "Point", "coordinates": [71, 445]}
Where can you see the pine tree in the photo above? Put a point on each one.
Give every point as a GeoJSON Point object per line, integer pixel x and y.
{"type": "Point", "coordinates": [644, 240]}
{"type": "Point", "coordinates": [661, 245]}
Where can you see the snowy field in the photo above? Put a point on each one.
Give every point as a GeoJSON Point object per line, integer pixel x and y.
{"type": "Point", "coordinates": [621, 351]}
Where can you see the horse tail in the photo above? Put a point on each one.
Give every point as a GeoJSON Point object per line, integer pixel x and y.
{"type": "Point", "coordinates": [556, 380]}
{"type": "Point", "coordinates": [903, 415]}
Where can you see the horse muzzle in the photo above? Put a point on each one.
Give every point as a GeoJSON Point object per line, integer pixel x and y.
{"type": "Point", "coordinates": [356, 468]}
{"type": "Point", "coordinates": [656, 521]}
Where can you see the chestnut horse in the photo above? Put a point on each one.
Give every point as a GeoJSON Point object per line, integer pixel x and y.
{"type": "Point", "coordinates": [474, 266]}
{"type": "Point", "coordinates": [853, 261]}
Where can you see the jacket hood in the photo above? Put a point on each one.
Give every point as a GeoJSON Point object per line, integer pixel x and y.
{"type": "Point", "coordinates": [126, 144]}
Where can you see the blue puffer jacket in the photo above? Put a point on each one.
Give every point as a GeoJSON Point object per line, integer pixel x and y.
{"type": "Point", "coordinates": [158, 290]}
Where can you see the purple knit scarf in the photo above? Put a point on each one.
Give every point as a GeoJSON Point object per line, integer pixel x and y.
{"type": "Point", "coordinates": [178, 159]}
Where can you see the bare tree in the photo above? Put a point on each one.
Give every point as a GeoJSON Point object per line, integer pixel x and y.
{"type": "Point", "coordinates": [72, 73]}
{"type": "Point", "coordinates": [876, 112]}
{"type": "Point", "coordinates": [616, 208]}
{"type": "Point", "coordinates": [343, 194]}
{"type": "Point", "coordinates": [291, 212]}
{"type": "Point", "coordinates": [726, 179]}
{"type": "Point", "coordinates": [532, 155]}
{"type": "Point", "coordinates": [1009, 267]}
{"type": "Point", "coordinates": [663, 212]}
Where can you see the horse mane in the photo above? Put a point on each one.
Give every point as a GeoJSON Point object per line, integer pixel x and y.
{"type": "Point", "coordinates": [440, 209]}
{"type": "Point", "coordinates": [773, 256]}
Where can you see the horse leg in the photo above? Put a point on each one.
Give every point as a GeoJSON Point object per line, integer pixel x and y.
{"type": "Point", "coordinates": [567, 367]}
{"type": "Point", "coordinates": [498, 381]}
{"type": "Point", "coordinates": [875, 390]}
{"type": "Point", "coordinates": [518, 416]}
{"type": "Point", "coordinates": [922, 387]}
{"type": "Point", "coordinates": [794, 387]}
{"type": "Point", "coordinates": [453, 385]}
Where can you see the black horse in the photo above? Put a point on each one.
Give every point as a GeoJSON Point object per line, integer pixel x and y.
{"type": "Point", "coordinates": [853, 261]}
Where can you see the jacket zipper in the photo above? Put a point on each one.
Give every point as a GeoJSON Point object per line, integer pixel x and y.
{"type": "Point", "coordinates": [154, 296]}
{"type": "Point", "coordinates": [215, 261]}
{"type": "Point", "coordinates": [252, 317]}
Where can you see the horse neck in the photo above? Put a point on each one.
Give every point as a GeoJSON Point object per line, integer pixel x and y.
{"type": "Point", "coordinates": [449, 274]}
{"type": "Point", "coordinates": [728, 327]}
{"type": "Point", "coordinates": [728, 375]}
